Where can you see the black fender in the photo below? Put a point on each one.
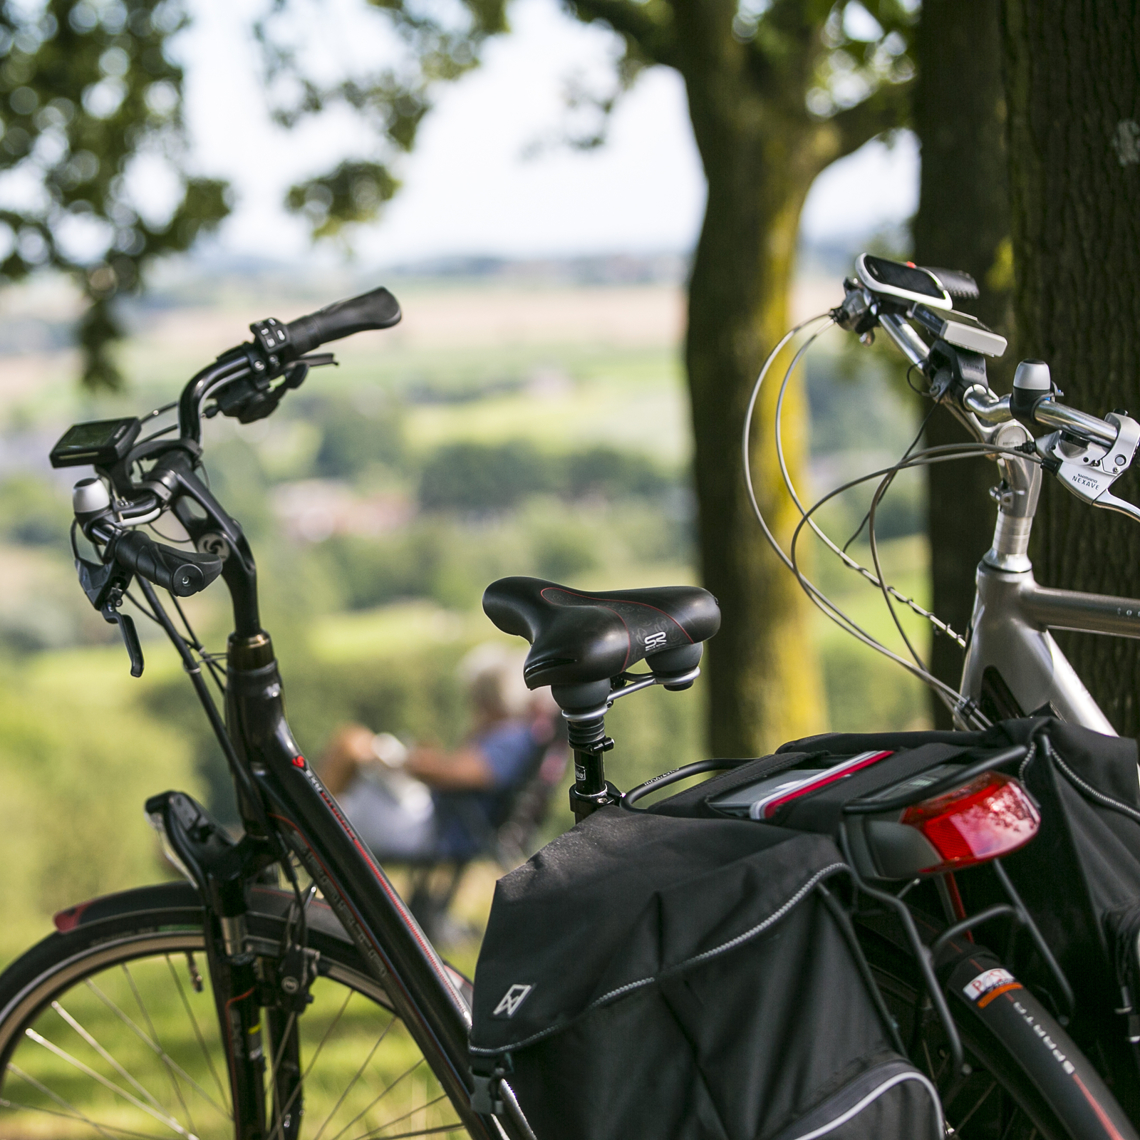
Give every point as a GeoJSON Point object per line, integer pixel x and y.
{"type": "Point", "coordinates": [1026, 1031]}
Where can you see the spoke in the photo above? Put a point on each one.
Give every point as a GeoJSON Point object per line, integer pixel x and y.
{"type": "Point", "coordinates": [63, 1055]}
{"type": "Point", "coordinates": [977, 1104]}
{"type": "Point", "coordinates": [942, 1068]}
{"type": "Point", "coordinates": [1006, 1132]}
{"type": "Point", "coordinates": [15, 1104]}
{"type": "Point", "coordinates": [929, 1059]}
{"type": "Point", "coordinates": [454, 1126]}
{"type": "Point", "coordinates": [375, 1132]}
{"type": "Point", "coordinates": [375, 1100]}
{"type": "Point", "coordinates": [150, 1025]}
{"type": "Point", "coordinates": [58, 1099]}
{"type": "Point", "coordinates": [284, 1111]}
{"type": "Point", "coordinates": [151, 1044]}
{"type": "Point", "coordinates": [352, 1084]}
{"type": "Point", "coordinates": [103, 1053]}
{"type": "Point", "coordinates": [201, 1040]}
{"type": "Point", "coordinates": [320, 1045]}
{"type": "Point", "coordinates": [328, 1032]}
{"type": "Point", "coordinates": [292, 1020]}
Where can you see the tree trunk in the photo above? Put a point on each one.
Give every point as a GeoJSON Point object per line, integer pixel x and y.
{"type": "Point", "coordinates": [749, 75]}
{"type": "Point", "coordinates": [1073, 91]}
{"type": "Point", "coordinates": [764, 677]}
{"type": "Point", "coordinates": [962, 223]}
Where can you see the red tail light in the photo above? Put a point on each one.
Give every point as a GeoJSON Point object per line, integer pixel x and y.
{"type": "Point", "coordinates": [987, 818]}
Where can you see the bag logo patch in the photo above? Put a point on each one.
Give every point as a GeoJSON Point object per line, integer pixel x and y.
{"type": "Point", "coordinates": [514, 997]}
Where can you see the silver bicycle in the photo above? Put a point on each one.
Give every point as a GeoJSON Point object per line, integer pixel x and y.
{"type": "Point", "coordinates": [1013, 666]}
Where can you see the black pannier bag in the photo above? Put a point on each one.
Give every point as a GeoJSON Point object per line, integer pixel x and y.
{"type": "Point", "coordinates": [687, 979]}
{"type": "Point", "coordinates": [1079, 878]}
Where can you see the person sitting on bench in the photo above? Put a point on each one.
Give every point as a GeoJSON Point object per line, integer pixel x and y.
{"type": "Point", "coordinates": [432, 804]}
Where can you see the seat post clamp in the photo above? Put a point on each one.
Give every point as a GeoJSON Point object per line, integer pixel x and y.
{"type": "Point", "coordinates": [583, 804]}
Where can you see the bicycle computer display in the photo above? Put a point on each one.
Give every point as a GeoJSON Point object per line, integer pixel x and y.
{"type": "Point", "coordinates": [100, 442]}
{"type": "Point", "coordinates": [896, 279]}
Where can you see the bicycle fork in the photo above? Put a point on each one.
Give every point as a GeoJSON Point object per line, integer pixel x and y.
{"type": "Point", "coordinates": [239, 1014]}
{"type": "Point", "coordinates": [243, 986]}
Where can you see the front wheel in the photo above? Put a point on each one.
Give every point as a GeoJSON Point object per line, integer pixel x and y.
{"type": "Point", "coordinates": [110, 1030]}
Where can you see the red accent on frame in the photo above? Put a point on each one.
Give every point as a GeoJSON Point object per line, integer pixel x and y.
{"type": "Point", "coordinates": [67, 920]}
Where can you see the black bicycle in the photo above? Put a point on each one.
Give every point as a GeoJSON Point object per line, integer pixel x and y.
{"type": "Point", "coordinates": [284, 989]}
{"type": "Point", "coordinates": [286, 980]}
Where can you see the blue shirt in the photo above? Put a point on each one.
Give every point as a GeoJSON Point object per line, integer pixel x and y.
{"type": "Point", "coordinates": [466, 819]}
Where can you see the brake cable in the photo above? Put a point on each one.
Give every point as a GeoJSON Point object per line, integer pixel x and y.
{"type": "Point", "coordinates": [950, 696]}
{"type": "Point", "coordinates": [943, 453]}
{"type": "Point", "coordinates": [829, 608]}
{"type": "Point", "coordinates": [873, 578]}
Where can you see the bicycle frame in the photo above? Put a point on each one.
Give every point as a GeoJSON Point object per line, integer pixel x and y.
{"type": "Point", "coordinates": [1014, 666]}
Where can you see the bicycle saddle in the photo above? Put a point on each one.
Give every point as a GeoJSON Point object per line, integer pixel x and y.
{"type": "Point", "coordinates": [579, 640]}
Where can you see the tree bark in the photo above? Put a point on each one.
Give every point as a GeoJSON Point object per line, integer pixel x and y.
{"type": "Point", "coordinates": [962, 223]}
{"type": "Point", "coordinates": [764, 677]}
{"type": "Point", "coordinates": [1073, 92]}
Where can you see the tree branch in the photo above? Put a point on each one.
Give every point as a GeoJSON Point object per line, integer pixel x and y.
{"type": "Point", "coordinates": [647, 26]}
{"type": "Point", "coordinates": [885, 109]}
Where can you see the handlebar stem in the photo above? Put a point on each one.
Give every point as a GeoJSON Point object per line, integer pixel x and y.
{"type": "Point", "coordinates": [239, 570]}
{"type": "Point", "coordinates": [1017, 504]}
{"type": "Point", "coordinates": [987, 405]}
{"type": "Point", "coordinates": [909, 343]}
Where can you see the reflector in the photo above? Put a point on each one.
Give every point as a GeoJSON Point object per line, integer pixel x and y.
{"type": "Point", "coordinates": [986, 818]}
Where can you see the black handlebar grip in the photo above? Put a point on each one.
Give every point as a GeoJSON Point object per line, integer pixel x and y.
{"type": "Point", "coordinates": [375, 310]}
{"type": "Point", "coordinates": [956, 282]}
{"type": "Point", "coordinates": [182, 572]}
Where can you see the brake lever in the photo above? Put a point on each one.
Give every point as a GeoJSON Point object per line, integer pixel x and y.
{"type": "Point", "coordinates": [105, 586]}
{"type": "Point", "coordinates": [1089, 470]}
{"type": "Point", "coordinates": [126, 625]}
{"type": "Point", "coordinates": [249, 397]}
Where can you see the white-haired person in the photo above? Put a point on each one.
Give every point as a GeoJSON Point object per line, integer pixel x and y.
{"type": "Point", "coordinates": [427, 802]}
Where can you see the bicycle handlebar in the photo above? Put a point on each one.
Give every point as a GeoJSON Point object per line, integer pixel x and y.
{"type": "Point", "coordinates": [1052, 414]}
{"type": "Point", "coordinates": [993, 409]}
{"type": "Point", "coordinates": [181, 572]}
{"type": "Point", "coordinates": [377, 309]}
{"type": "Point", "coordinates": [238, 380]}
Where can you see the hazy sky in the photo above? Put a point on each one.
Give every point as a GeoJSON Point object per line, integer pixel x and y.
{"type": "Point", "coordinates": [468, 187]}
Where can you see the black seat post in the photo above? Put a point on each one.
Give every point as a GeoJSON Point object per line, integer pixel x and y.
{"type": "Point", "coordinates": [586, 734]}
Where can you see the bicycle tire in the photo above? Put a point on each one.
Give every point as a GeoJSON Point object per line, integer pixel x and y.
{"type": "Point", "coordinates": [110, 1029]}
{"type": "Point", "coordinates": [1016, 1112]}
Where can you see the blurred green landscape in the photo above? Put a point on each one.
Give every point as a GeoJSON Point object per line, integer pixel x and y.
{"type": "Point", "coordinates": [531, 420]}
